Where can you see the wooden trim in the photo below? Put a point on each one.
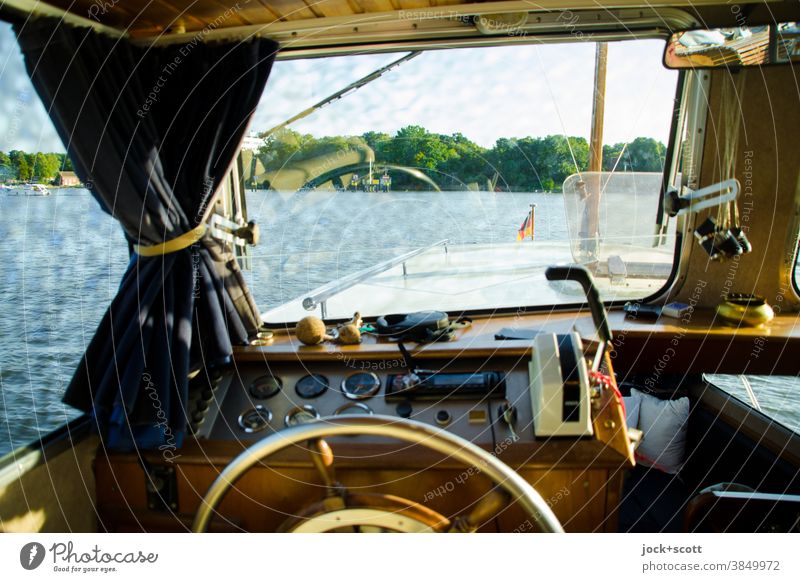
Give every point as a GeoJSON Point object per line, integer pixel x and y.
{"type": "Point", "coordinates": [541, 454]}
{"type": "Point", "coordinates": [704, 344]}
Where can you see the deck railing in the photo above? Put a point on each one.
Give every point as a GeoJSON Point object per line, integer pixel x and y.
{"type": "Point", "coordinates": [327, 291]}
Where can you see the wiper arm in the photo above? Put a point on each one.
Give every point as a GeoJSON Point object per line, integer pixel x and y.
{"type": "Point", "coordinates": [342, 92]}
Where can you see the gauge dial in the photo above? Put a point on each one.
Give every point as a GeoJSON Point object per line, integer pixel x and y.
{"type": "Point", "coordinates": [255, 419]}
{"type": "Point", "coordinates": [361, 385]}
{"type": "Point", "coordinates": [311, 386]}
{"type": "Point", "coordinates": [301, 415]}
{"type": "Point", "coordinates": [353, 408]}
{"type": "Point", "coordinates": [265, 387]}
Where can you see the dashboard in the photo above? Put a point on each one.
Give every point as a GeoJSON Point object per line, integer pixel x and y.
{"type": "Point", "coordinates": [483, 401]}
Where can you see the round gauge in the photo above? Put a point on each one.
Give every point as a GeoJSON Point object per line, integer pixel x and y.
{"type": "Point", "coordinates": [300, 415]}
{"type": "Point", "coordinates": [311, 386]}
{"type": "Point", "coordinates": [353, 408]}
{"type": "Point", "coordinates": [265, 387]}
{"type": "Point", "coordinates": [361, 385]}
{"type": "Point", "coordinates": [256, 419]}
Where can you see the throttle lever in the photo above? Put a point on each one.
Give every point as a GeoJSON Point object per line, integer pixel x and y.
{"type": "Point", "coordinates": [581, 274]}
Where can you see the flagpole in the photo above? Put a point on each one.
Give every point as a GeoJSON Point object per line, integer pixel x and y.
{"type": "Point", "coordinates": [533, 215]}
{"type": "Point", "coordinates": [596, 148]}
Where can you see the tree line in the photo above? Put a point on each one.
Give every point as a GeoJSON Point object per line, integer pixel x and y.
{"type": "Point", "coordinates": [21, 166]}
{"type": "Point", "coordinates": [455, 162]}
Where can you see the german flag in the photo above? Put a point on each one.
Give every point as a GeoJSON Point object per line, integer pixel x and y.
{"type": "Point", "coordinates": [526, 230]}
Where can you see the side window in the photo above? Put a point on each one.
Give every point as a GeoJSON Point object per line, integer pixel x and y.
{"type": "Point", "coordinates": [62, 257]}
{"type": "Point", "coordinates": [774, 396]}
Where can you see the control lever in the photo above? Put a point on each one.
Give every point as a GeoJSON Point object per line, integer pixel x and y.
{"type": "Point", "coordinates": [580, 274]}
{"type": "Point", "coordinates": [322, 457]}
{"type": "Point", "coordinates": [412, 378]}
{"type": "Point", "coordinates": [488, 506]}
{"type": "Point", "coordinates": [508, 413]}
{"type": "Point", "coordinates": [335, 492]}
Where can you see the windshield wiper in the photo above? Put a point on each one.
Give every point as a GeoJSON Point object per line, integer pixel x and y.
{"type": "Point", "coordinates": [352, 87]}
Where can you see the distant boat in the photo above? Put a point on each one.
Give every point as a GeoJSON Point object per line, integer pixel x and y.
{"type": "Point", "coordinates": [27, 190]}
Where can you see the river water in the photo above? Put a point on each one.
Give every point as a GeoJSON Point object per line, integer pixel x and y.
{"type": "Point", "coordinates": [63, 258]}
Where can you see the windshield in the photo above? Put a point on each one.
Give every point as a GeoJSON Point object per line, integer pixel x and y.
{"type": "Point", "coordinates": [451, 180]}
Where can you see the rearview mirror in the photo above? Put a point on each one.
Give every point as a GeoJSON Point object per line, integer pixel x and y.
{"type": "Point", "coordinates": [734, 47]}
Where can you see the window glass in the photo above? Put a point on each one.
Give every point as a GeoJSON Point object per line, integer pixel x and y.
{"type": "Point", "coordinates": [485, 148]}
{"type": "Point", "coordinates": [775, 396]}
{"type": "Point", "coordinates": [62, 261]}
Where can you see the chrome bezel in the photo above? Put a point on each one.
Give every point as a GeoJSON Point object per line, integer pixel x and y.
{"type": "Point", "coordinates": [257, 408]}
{"type": "Point", "coordinates": [366, 395]}
{"type": "Point", "coordinates": [350, 405]}
{"type": "Point", "coordinates": [276, 378]}
{"type": "Point", "coordinates": [327, 386]}
{"type": "Point", "coordinates": [297, 409]}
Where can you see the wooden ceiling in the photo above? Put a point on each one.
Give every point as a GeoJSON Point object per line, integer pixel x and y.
{"type": "Point", "coordinates": [150, 18]}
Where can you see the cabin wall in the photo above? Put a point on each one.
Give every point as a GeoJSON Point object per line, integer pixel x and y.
{"type": "Point", "coordinates": [53, 496]}
{"type": "Point", "coordinates": [768, 169]}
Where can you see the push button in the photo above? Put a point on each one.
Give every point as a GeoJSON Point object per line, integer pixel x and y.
{"type": "Point", "coordinates": [404, 409]}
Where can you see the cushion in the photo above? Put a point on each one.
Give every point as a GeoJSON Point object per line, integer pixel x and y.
{"type": "Point", "coordinates": [632, 403]}
{"type": "Point", "coordinates": [663, 423]}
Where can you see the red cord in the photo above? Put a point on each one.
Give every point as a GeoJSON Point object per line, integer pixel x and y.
{"type": "Point", "coordinates": [607, 382]}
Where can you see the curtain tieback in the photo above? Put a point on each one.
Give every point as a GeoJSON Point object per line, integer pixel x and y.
{"type": "Point", "coordinates": [172, 245]}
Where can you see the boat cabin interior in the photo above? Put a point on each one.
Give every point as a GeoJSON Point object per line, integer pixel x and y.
{"type": "Point", "coordinates": [607, 384]}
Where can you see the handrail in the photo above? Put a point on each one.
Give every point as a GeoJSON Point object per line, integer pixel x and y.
{"type": "Point", "coordinates": [335, 287]}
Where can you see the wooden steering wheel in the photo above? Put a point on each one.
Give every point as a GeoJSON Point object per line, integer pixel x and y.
{"type": "Point", "coordinates": [344, 512]}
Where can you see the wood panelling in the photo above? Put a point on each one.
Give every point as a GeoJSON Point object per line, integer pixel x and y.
{"type": "Point", "coordinates": [266, 496]}
{"type": "Point", "coordinates": [702, 345]}
{"type": "Point", "coordinates": [768, 169]}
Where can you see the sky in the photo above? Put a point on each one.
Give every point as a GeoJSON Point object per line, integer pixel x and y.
{"type": "Point", "coordinates": [484, 94]}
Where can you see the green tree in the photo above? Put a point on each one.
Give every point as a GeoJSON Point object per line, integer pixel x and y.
{"type": "Point", "coordinates": [19, 163]}
{"type": "Point", "coordinates": [6, 171]}
{"type": "Point", "coordinates": [281, 147]}
{"type": "Point", "coordinates": [454, 162]}
{"type": "Point", "coordinates": [611, 153]}
{"type": "Point", "coordinates": [646, 155]}
{"type": "Point", "coordinates": [376, 140]}
{"type": "Point", "coordinates": [65, 163]}
{"type": "Point", "coordinates": [45, 166]}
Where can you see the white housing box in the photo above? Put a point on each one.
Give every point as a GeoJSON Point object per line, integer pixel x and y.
{"type": "Point", "coordinates": [559, 386]}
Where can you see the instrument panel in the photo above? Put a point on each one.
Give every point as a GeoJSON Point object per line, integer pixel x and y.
{"type": "Point", "coordinates": [482, 402]}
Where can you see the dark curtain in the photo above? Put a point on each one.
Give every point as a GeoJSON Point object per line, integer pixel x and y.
{"type": "Point", "coordinates": [152, 133]}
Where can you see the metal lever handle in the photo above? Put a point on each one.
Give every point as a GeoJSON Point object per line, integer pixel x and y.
{"type": "Point", "coordinates": [580, 274]}
{"type": "Point", "coordinates": [488, 506]}
{"type": "Point", "coordinates": [322, 457]}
